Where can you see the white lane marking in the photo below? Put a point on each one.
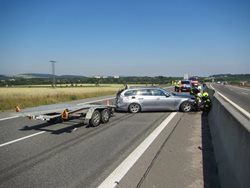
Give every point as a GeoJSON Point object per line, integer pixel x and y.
{"type": "Point", "coordinates": [245, 89]}
{"type": "Point", "coordinates": [244, 93]}
{"type": "Point", "coordinates": [19, 139]}
{"type": "Point", "coordinates": [96, 101]}
{"type": "Point", "coordinates": [212, 87]}
{"type": "Point", "coordinates": [116, 176]}
{"type": "Point", "coordinates": [9, 118]}
{"type": "Point", "coordinates": [244, 112]}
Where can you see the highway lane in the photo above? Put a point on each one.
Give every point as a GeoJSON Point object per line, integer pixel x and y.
{"type": "Point", "coordinates": [240, 96]}
{"type": "Point", "coordinates": [61, 156]}
{"type": "Point", "coordinates": [13, 125]}
{"type": "Point", "coordinates": [64, 157]}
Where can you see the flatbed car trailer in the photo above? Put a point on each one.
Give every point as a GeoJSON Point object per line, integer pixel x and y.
{"type": "Point", "coordinates": [90, 114]}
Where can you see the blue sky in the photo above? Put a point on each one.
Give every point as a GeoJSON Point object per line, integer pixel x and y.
{"type": "Point", "coordinates": [125, 37]}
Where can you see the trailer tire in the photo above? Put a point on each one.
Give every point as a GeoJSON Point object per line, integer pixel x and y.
{"type": "Point", "coordinates": [95, 119]}
{"type": "Point", "coordinates": [105, 115]}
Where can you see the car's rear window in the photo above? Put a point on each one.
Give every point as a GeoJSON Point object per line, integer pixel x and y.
{"type": "Point", "coordinates": [144, 92]}
{"type": "Point", "coordinates": [130, 93]}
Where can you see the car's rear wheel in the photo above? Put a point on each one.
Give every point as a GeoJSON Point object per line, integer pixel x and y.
{"type": "Point", "coordinates": [134, 108]}
{"type": "Point", "coordinates": [186, 106]}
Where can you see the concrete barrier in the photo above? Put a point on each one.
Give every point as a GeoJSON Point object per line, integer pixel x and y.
{"type": "Point", "coordinates": [230, 132]}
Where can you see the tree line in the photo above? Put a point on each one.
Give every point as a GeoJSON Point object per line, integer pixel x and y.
{"type": "Point", "coordinates": [76, 80]}
{"type": "Point", "coordinates": [90, 80]}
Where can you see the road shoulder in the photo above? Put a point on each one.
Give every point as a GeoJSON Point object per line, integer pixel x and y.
{"type": "Point", "coordinates": [185, 158]}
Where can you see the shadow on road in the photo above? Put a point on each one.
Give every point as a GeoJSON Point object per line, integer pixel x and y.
{"type": "Point", "coordinates": [210, 171]}
{"type": "Point", "coordinates": [54, 129]}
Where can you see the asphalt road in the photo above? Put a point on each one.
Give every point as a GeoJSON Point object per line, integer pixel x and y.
{"type": "Point", "coordinates": [238, 95]}
{"type": "Point", "coordinates": [61, 156]}
{"type": "Point", "coordinates": [70, 154]}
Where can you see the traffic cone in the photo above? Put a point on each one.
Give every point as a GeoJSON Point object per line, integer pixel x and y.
{"type": "Point", "coordinates": [17, 109]}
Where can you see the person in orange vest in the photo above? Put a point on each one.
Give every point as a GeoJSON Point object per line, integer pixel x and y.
{"type": "Point", "coordinates": [177, 86]}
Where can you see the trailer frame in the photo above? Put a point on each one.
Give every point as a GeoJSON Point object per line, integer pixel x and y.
{"type": "Point", "coordinates": [93, 115]}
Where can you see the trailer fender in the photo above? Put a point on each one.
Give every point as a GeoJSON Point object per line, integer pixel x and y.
{"type": "Point", "coordinates": [90, 113]}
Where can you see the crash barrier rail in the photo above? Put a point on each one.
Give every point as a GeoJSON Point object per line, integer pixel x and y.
{"type": "Point", "coordinates": [230, 130]}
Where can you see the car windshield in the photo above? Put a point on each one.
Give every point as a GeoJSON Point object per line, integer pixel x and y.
{"type": "Point", "coordinates": [157, 92]}
{"type": "Point", "coordinates": [185, 82]}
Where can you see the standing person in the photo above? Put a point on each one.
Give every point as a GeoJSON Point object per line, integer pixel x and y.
{"type": "Point", "coordinates": [176, 86]}
{"type": "Point", "coordinates": [179, 86]}
{"type": "Point", "coordinates": [206, 102]}
{"type": "Point", "coordinates": [194, 90]}
{"type": "Point", "coordinates": [204, 87]}
{"type": "Point", "coordinates": [198, 101]}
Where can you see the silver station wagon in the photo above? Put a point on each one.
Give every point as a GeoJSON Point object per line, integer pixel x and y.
{"type": "Point", "coordinates": [152, 99]}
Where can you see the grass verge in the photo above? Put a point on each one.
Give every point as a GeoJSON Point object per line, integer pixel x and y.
{"type": "Point", "coordinates": [30, 97]}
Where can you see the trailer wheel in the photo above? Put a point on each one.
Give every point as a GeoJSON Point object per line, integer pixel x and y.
{"type": "Point", "coordinates": [105, 115]}
{"type": "Point", "coordinates": [95, 119]}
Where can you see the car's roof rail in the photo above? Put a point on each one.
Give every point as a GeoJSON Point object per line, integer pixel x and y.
{"type": "Point", "coordinates": [140, 87]}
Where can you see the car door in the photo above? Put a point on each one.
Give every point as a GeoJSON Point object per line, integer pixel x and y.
{"type": "Point", "coordinates": [146, 99]}
{"type": "Point", "coordinates": [164, 100]}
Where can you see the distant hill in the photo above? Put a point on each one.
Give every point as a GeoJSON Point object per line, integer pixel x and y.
{"type": "Point", "coordinates": [71, 77]}
{"type": "Point", "coordinates": [44, 76]}
{"type": "Point", "coordinates": [33, 75]}
{"type": "Point", "coordinates": [48, 76]}
{"type": "Point", "coordinates": [35, 78]}
{"type": "Point", "coordinates": [4, 77]}
{"type": "Point", "coordinates": [230, 77]}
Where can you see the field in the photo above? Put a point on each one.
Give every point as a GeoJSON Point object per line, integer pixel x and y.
{"type": "Point", "coordinates": [34, 96]}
